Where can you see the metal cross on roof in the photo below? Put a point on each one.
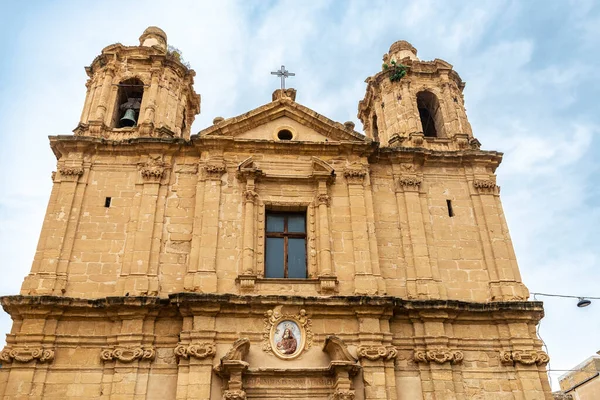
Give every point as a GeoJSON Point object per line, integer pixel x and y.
{"type": "Point", "coordinates": [283, 73]}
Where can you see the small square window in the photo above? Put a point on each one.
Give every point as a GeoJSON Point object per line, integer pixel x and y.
{"type": "Point", "coordinates": [285, 245]}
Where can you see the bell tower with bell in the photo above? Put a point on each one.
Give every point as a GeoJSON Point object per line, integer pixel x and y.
{"type": "Point", "coordinates": [139, 91]}
{"type": "Point", "coordinates": [414, 103]}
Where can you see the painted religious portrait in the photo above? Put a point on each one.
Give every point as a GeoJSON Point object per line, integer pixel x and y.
{"type": "Point", "coordinates": [287, 339]}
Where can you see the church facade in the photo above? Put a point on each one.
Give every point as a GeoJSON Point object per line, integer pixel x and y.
{"type": "Point", "coordinates": [273, 255]}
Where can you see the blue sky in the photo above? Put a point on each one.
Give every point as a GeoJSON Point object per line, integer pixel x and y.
{"type": "Point", "coordinates": [532, 86]}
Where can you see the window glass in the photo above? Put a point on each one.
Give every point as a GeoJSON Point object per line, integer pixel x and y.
{"type": "Point", "coordinates": [296, 258]}
{"type": "Point", "coordinates": [275, 222]}
{"type": "Point", "coordinates": [296, 223]}
{"type": "Point", "coordinates": [274, 263]}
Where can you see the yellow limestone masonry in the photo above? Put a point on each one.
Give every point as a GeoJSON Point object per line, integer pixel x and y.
{"type": "Point", "coordinates": [149, 280]}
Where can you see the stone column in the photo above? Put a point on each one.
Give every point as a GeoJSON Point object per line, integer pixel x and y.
{"type": "Point", "coordinates": [56, 239]}
{"type": "Point", "coordinates": [101, 107]}
{"type": "Point", "coordinates": [195, 353]}
{"type": "Point", "coordinates": [127, 359]}
{"type": "Point", "coordinates": [250, 197]}
{"type": "Point", "coordinates": [202, 273]}
{"type": "Point", "coordinates": [142, 279]}
{"type": "Point", "coordinates": [150, 99]}
{"type": "Point", "coordinates": [505, 279]}
{"type": "Point", "coordinates": [326, 274]}
{"type": "Point", "coordinates": [365, 282]}
{"type": "Point", "coordinates": [421, 280]}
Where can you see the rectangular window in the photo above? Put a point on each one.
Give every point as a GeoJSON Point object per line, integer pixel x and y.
{"type": "Point", "coordinates": [285, 246]}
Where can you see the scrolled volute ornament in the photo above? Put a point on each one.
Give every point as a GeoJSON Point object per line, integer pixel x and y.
{"type": "Point", "coordinates": [439, 356]}
{"type": "Point", "coordinates": [25, 355]}
{"type": "Point", "coordinates": [199, 351]}
{"type": "Point", "coordinates": [524, 357]}
{"type": "Point", "coordinates": [343, 394]}
{"type": "Point", "coordinates": [374, 353]}
{"type": "Point", "coordinates": [234, 395]}
{"type": "Point", "coordinates": [128, 354]}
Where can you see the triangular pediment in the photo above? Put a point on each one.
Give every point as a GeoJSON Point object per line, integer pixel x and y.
{"type": "Point", "coordinates": [265, 122]}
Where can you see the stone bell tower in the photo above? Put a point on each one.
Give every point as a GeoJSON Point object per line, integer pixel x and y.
{"type": "Point", "coordinates": [139, 91]}
{"type": "Point", "coordinates": [412, 102]}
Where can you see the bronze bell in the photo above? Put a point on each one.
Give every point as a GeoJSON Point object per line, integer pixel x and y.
{"type": "Point", "coordinates": [128, 118]}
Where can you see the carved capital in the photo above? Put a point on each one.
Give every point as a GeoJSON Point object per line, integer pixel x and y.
{"type": "Point", "coordinates": [250, 196]}
{"type": "Point", "coordinates": [128, 354]}
{"type": "Point", "coordinates": [214, 171]}
{"type": "Point", "coordinates": [24, 355]}
{"type": "Point", "coordinates": [374, 353]}
{"type": "Point", "coordinates": [152, 173]}
{"type": "Point", "coordinates": [524, 357]}
{"type": "Point", "coordinates": [439, 356]}
{"type": "Point", "coordinates": [486, 186]}
{"type": "Point", "coordinates": [70, 173]}
{"type": "Point", "coordinates": [410, 182]}
{"type": "Point", "coordinates": [355, 175]}
{"type": "Point", "coordinates": [199, 351]}
{"type": "Point", "coordinates": [323, 199]}
{"type": "Point", "coordinates": [234, 395]}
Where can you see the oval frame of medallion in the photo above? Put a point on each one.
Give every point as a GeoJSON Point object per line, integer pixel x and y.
{"type": "Point", "coordinates": [299, 346]}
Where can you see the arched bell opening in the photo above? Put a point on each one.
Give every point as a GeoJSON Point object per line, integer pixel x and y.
{"type": "Point", "coordinates": [129, 100]}
{"type": "Point", "coordinates": [430, 114]}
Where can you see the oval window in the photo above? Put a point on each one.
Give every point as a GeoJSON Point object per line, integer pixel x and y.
{"type": "Point", "coordinates": [285, 134]}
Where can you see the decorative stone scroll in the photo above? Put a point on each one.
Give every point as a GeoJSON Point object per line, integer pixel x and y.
{"type": "Point", "coordinates": [25, 355]}
{"type": "Point", "coordinates": [439, 356]}
{"type": "Point", "coordinates": [128, 354]}
{"type": "Point", "coordinates": [234, 395]}
{"type": "Point", "coordinates": [525, 357]}
{"type": "Point", "coordinates": [199, 351]}
{"type": "Point", "coordinates": [286, 335]}
{"type": "Point", "coordinates": [342, 394]}
{"type": "Point", "coordinates": [374, 353]}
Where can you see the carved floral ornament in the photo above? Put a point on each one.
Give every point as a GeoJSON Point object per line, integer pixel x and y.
{"type": "Point", "coordinates": [128, 354]}
{"type": "Point", "coordinates": [439, 356]}
{"type": "Point", "coordinates": [525, 357]}
{"type": "Point", "coordinates": [287, 335]}
{"type": "Point", "coordinates": [374, 353]}
{"type": "Point", "coordinates": [25, 355]}
{"type": "Point", "coordinates": [199, 351]}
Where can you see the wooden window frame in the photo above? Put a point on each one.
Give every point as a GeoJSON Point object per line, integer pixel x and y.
{"type": "Point", "coordinates": [286, 236]}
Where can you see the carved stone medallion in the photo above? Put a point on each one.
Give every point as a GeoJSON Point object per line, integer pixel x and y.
{"type": "Point", "coordinates": [286, 335]}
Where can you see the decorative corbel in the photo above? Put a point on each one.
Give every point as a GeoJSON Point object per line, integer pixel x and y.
{"type": "Point", "coordinates": [198, 351]}
{"type": "Point", "coordinates": [128, 354]}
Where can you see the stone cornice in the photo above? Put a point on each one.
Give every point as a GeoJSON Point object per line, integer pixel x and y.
{"type": "Point", "coordinates": [423, 309]}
